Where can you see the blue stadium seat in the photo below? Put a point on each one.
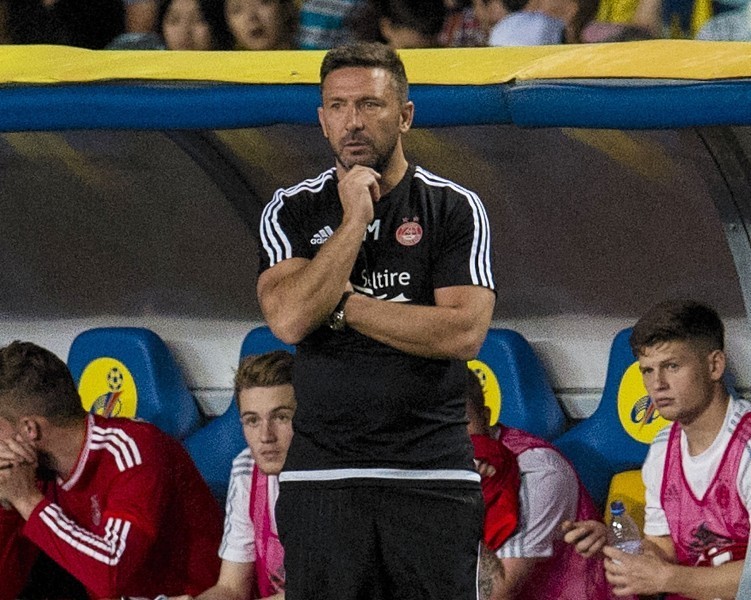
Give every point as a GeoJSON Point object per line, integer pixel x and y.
{"type": "Point", "coordinates": [260, 340]}
{"type": "Point", "coordinates": [130, 372]}
{"type": "Point", "coordinates": [516, 386]}
{"type": "Point", "coordinates": [617, 435]}
{"type": "Point", "coordinates": [215, 446]}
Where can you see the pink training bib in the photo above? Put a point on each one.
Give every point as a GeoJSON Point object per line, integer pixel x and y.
{"type": "Point", "coordinates": [269, 563]}
{"type": "Point", "coordinates": [712, 530]}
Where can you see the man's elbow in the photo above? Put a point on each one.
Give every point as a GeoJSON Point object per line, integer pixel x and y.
{"type": "Point", "coordinates": [466, 345]}
{"type": "Point", "coordinates": [287, 331]}
{"type": "Point", "coordinates": [289, 327]}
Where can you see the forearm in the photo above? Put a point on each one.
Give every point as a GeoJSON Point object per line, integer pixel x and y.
{"type": "Point", "coordinates": [704, 583]}
{"type": "Point", "coordinates": [298, 295]}
{"type": "Point", "coordinates": [103, 561]}
{"type": "Point", "coordinates": [220, 592]}
{"type": "Point", "coordinates": [451, 330]}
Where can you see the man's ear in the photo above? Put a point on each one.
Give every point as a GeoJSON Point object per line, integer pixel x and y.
{"type": "Point", "coordinates": [322, 121]}
{"type": "Point", "coordinates": [717, 363]}
{"type": "Point", "coordinates": [407, 115]}
{"type": "Point", "coordinates": [30, 429]}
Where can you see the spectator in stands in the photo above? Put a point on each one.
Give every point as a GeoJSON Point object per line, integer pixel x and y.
{"type": "Point", "coordinates": [535, 562]}
{"type": "Point", "coordinates": [193, 25]}
{"type": "Point", "coordinates": [729, 26]}
{"type": "Point", "coordinates": [181, 25]}
{"type": "Point", "coordinates": [534, 22]}
{"type": "Point", "coordinates": [66, 22]}
{"type": "Point", "coordinates": [399, 24]}
{"type": "Point", "coordinates": [262, 24]}
{"type": "Point", "coordinates": [322, 24]}
{"type": "Point", "coordinates": [140, 15]}
{"type": "Point", "coordinates": [599, 32]}
{"type": "Point", "coordinates": [252, 557]}
{"type": "Point", "coordinates": [116, 503]}
{"type": "Point", "coordinates": [698, 484]}
{"type": "Point", "coordinates": [461, 29]}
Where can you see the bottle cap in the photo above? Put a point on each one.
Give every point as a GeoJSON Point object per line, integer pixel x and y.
{"type": "Point", "coordinates": [617, 508]}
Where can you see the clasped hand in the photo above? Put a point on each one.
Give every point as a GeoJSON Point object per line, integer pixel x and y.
{"type": "Point", "coordinates": [359, 188]}
{"type": "Point", "coordinates": [629, 574]}
{"type": "Point", "coordinates": [18, 464]}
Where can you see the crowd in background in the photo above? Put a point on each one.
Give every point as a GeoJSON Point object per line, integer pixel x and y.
{"type": "Point", "coordinates": [323, 24]}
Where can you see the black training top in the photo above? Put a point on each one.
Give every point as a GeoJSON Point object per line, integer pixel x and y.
{"type": "Point", "coordinates": [366, 409]}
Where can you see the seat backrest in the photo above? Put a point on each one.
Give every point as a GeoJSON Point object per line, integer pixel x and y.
{"type": "Point", "coordinates": [516, 386]}
{"type": "Point", "coordinates": [628, 487]}
{"type": "Point", "coordinates": [130, 372]}
{"type": "Point", "coordinates": [215, 446]}
{"type": "Point", "coordinates": [617, 435]}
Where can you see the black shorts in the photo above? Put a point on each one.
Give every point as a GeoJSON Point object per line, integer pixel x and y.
{"type": "Point", "coordinates": [369, 542]}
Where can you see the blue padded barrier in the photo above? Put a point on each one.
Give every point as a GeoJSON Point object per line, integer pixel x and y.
{"type": "Point", "coordinates": [526, 397]}
{"type": "Point", "coordinates": [130, 372]}
{"type": "Point", "coordinates": [617, 435]}
{"type": "Point", "coordinates": [215, 446]}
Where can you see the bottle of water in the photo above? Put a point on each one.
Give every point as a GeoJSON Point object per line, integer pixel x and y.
{"type": "Point", "coordinates": [624, 532]}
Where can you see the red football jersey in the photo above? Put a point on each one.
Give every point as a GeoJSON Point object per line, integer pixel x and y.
{"type": "Point", "coordinates": [134, 517]}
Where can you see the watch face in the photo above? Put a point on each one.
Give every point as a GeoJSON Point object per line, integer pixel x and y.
{"type": "Point", "coordinates": [336, 320]}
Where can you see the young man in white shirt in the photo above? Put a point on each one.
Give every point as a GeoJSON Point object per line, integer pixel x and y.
{"type": "Point", "coordinates": [696, 473]}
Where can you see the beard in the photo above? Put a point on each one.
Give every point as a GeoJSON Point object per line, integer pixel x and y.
{"type": "Point", "coordinates": [46, 468]}
{"type": "Point", "coordinates": [376, 159]}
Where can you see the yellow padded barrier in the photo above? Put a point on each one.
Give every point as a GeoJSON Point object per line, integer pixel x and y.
{"type": "Point", "coordinates": [662, 59]}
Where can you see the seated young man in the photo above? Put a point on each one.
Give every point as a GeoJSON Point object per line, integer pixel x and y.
{"type": "Point", "coordinates": [534, 562]}
{"type": "Point", "coordinates": [252, 557]}
{"type": "Point", "coordinates": [116, 503]}
{"type": "Point", "coordinates": [696, 473]}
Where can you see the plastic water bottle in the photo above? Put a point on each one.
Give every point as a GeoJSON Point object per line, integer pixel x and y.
{"type": "Point", "coordinates": [624, 532]}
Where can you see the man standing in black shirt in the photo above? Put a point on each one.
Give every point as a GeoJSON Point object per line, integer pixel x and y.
{"type": "Point", "coordinates": [379, 271]}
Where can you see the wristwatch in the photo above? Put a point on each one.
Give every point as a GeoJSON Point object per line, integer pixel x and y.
{"type": "Point", "coordinates": [336, 321]}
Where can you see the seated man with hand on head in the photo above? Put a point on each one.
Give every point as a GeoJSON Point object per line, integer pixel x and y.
{"type": "Point", "coordinates": [698, 484]}
{"type": "Point", "coordinates": [534, 562]}
{"type": "Point", "coordinates": [116, 503]}
{"type": "Point", "coordinates": [252, 556]}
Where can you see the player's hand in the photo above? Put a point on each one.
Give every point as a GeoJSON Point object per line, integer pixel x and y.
{"type": "Point", "coordinates": [484, 468]}
{"type": "Point", "coordinates": [359, 189]}
{"type": "Point", "coordinates": [15, 451]}
{"type": "Point", "coordinates": [635, 574]}
{"type": "Point", "coordinates": [18, 486]}
{"type": "Point", "coordinates": [588, 537]}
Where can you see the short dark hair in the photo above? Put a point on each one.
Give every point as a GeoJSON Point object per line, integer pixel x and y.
{"type": "Point", "coordinates": [35, 381]}
{"type": "Point", "coordinates": [264, 370]}
{"type": "Point", "coordinates": [678, 320]}
{"type": "Point", "coordinates": [368, 55]}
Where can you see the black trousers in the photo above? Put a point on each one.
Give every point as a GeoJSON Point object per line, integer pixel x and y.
{"type": "Point", "coordinates": [359, 541]}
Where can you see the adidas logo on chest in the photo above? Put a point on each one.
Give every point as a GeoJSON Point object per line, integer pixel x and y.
{"type": "Point", "coordinates": [321, 236]}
